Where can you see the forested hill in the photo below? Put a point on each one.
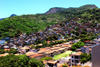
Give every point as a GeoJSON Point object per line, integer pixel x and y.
{"type": "Point", "coordinates": [31, 23]}
{"type": "Point", "coordinates": [13, 26]}
{"type": "Point", "coordinates": [58, 9]}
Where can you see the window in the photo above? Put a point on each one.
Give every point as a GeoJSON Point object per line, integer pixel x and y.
{"type": "Point", "coordinates": [76, 57]}
{"type": "Point", "coordinates": [76, 61]}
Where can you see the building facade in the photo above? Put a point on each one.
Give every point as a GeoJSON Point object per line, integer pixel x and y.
{"type": "Point", "coordinates": [96, 55]}
{"type": "Point", "coordinates": [75, 58]}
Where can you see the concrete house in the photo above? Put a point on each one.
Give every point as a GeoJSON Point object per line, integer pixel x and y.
{"type": "Point", "coordinates": [75, 58]}
{"type": "Point", "coordinates": [51, 63]}
{"type": "Point", "coordinates": [37, 56]}
{"type": "Point", "coordinates": [84, 49]}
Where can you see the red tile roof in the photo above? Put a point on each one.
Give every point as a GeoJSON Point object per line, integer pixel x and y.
{"type": "Point", "coordinates": [7, 49]}
{"type": "Point", "coordinates": [88, 41]}
{"type": "Point", "coordinates": [77, 53]}
{"type": "Point", "coordinates": [52, 62]}
{"type": "Point", "coordinates": [30, 53]}
{"type": "Point", "coordinates": [48, 42]}
{"type": "Point", "coordinates": [45, 49]}
{"type": "Point", "coordinates": [36, 55]}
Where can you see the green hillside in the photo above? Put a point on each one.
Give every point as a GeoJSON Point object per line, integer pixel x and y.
{"type": "Point", "coordinates": [13, 26]}
{"type": "Point", "coordinates": [90, 16]}
{"type": "Point", "coordinates": [31, 23]}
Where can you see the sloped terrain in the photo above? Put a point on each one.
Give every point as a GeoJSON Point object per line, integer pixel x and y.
{"type": "Point", "coordinates": [13, 26]}
{"type": "Point", "coordinates": [58, 9]}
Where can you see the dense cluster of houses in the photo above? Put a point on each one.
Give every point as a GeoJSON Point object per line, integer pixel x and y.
{"type": "Point", "coordinates": [72, 60]}
{"type": "Point", "coordinates": [49, 51]}
{"type": "Point", "coordinates": [60, 30]}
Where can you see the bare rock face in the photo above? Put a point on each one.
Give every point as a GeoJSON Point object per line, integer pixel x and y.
{"type": "Point", "coordinates": [54, 10]}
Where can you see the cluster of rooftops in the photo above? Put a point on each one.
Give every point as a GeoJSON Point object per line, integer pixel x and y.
{"type": "Point", "coordinates": [55, 50]}
{"type": "Point", "coordinates": [48, 51]}
{"type": "Point", "coordinates": [60, 30]}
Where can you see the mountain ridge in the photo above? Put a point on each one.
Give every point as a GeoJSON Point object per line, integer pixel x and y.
{"type": "Point", "coordinates": [58, 9]}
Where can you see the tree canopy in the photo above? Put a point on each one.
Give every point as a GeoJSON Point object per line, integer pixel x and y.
{"type": "Point", "coordinates": [13, 26]}
{"type": "Point", "coordinates": [19, 61]}
{"type": "Point", "coordinates": [77, 45]}
{"type": "Point", "coordinates": [85, 58]}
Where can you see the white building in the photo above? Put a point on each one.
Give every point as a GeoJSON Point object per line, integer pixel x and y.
{"type": "Point", "coordinates": [75, 58]}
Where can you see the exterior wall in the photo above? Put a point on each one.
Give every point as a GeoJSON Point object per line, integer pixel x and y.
{"type": "Point", "coordinates": [65, 49]}
{"type": "Point", "coordinates": [73, 61]}
{"type": "Point", "coordinates": [77, 50]}
{"type": "Point", "coordinates": [69, 48]}
{"type": "Point", "coordinates": [54, 53]}
{"type": "Point", "coordinates": [58, 52]}
{"type": "Point", "coordinates": [96, 56]}
{"type": "Point", "coordinates": [39, 57]}
{"type": "Point", "coordinates": [49, 55]}
{"type": "Point", "coordinates": [62, 51]}
{"type": "Point", "coordinates": [87, 50]}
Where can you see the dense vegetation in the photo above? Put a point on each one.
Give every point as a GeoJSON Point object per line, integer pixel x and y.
{"type": "Point", "coordinates": [85, 57]}
{"type": "Point", "coordinates": [14, 51]}
{"type": "Point", "coordinates": [19, 61]}
{"type": "Point", "coordinates": [13, 26]}
{"type": "Point", "coordinates": [77, 45]}
{"type": "Point", "coordinates": [92, 16]}
{"type": "Point", "coordinates": [29, 23]}
{"type": "Point", "coordinates": [83, 37]}
{"type": "Point", "coordinates": [88, 37]}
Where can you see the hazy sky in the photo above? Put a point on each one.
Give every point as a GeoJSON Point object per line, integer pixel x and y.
{"type": "Point", "coordinates": [19, 7]}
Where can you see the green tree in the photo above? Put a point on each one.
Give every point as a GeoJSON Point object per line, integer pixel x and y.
{"type": "Point", "coordinates": [77, 45]}
{"type": "Point", "coordinates": [83, 32]}
{"type": "Point", "coordinates": [76, 33]}
{"type": "Point", "coordinates": [84, 57]}
{"type": "Point", "coordinates": [34, 63]}
{"type": "Point", "coordinates": [19, 61]}
{"type": "Point", "coordinates": [77, 29]}
{"type": "Point", "coordinates": [12, 50]}
{"type": "Point", "coordinates": [2, 51]}
{"type": "Point", "coordinates": [45, 43]}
